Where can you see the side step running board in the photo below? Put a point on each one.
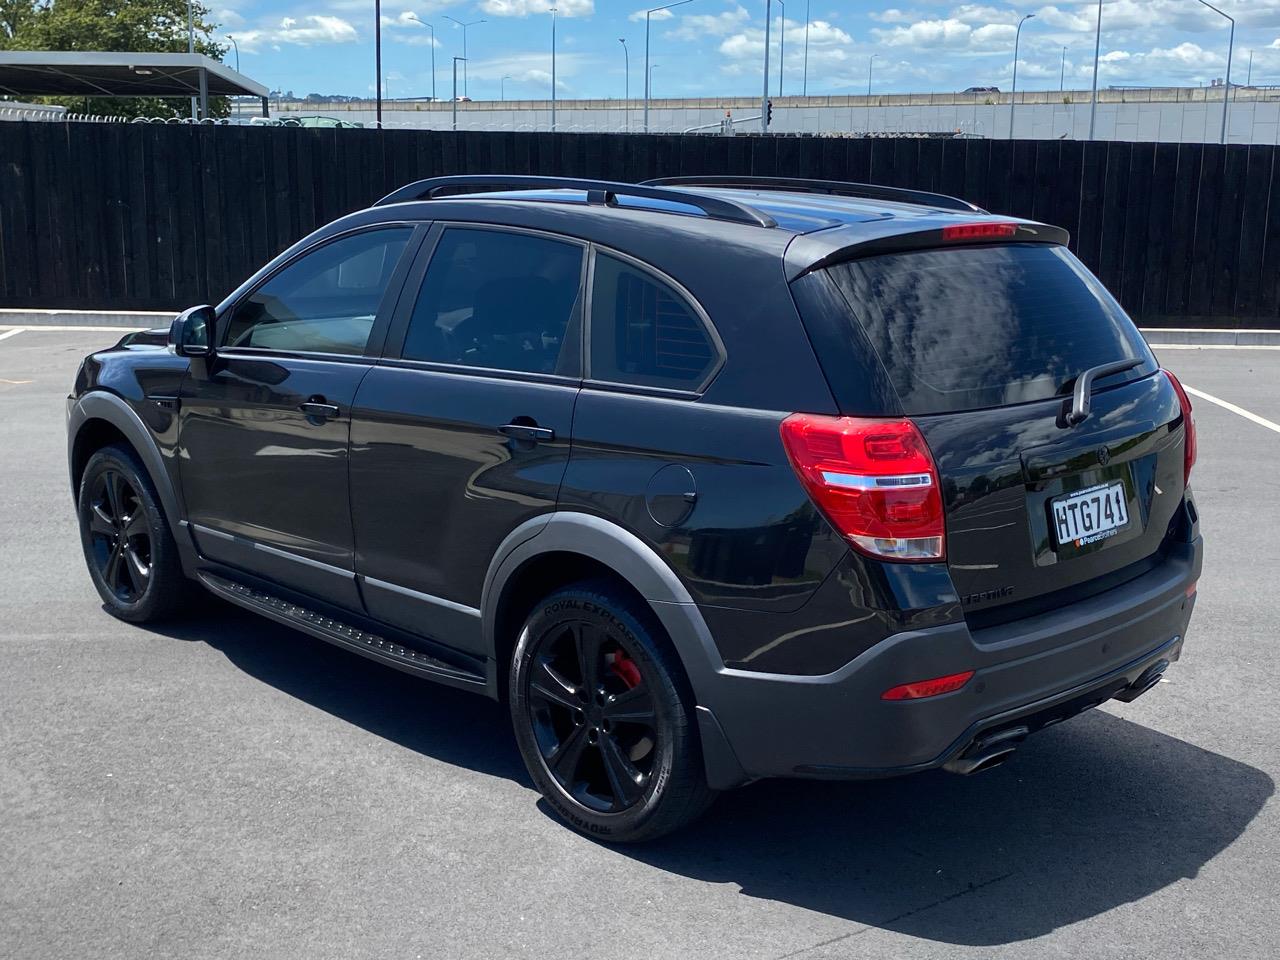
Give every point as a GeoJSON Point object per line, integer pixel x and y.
{"type": "Point", "coordinates": [342, 634]}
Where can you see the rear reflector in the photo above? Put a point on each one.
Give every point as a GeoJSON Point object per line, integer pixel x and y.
{"type": "Point", "coordinates": [979, 231]}
{"type": "Point", "coordinates": [1190, 447]}
{"type": "Point", "coordinates": [927, 688]}
{"type": "Point", "coordinates": [875, 480]}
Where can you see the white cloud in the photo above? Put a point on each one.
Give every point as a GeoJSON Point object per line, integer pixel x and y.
{"type": "Point", "coordinates": [524, 8]}
{"type": "Point", "coordinates": [639, 15]}
{"type": "Point", "coordinates": [702, 25]}
{"type": "Point", "coordinates": [311, 30]}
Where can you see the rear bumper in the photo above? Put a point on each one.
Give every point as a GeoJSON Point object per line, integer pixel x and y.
{"type": "Point", "coordinates": [1029, 673]}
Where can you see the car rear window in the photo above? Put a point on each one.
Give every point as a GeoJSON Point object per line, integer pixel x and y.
{"type": "Point", "coordinates": [974, 327]}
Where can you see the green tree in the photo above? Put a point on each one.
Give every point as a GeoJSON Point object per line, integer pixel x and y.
{"type": "Point", "coordinates": [150, 26]}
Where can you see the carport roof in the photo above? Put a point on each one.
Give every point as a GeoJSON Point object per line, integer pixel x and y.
{"type": "Point", "coordinates": [97, 74]}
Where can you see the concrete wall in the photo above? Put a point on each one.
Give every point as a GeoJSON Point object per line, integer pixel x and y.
{"type": "Point", "coordinates": [1253, 117]}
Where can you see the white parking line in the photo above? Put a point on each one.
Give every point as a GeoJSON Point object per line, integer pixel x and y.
{"type": "Point", "coordinates": [11, 333]}
{"type": "Point", "coordinates": [1227, 405]}
{"type": "Point", "coordinates": [1214, 346]}
{"type": "Point", "coordinates": [63, 329]}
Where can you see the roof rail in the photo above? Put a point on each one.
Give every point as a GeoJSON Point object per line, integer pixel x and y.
{"type": "Point", "coordinates": [871, 191]}
{"type": "Point", "coordinates": [600, 192]}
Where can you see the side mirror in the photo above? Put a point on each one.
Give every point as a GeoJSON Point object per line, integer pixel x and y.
{"type": "Point", "coordinates": [192, 332]}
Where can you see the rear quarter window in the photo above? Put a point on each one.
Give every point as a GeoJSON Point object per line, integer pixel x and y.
{"type": "Point", "coordinates": [974, 327]}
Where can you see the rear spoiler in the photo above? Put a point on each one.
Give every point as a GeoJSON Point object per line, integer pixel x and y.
{"type": "Point", "coordinates": [813, 251]}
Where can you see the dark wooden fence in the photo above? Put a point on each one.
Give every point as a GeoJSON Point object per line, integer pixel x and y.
{"type": "Point", "coordinates": [141, 216]}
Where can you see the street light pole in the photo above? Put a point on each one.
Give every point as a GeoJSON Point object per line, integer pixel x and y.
{"type": "Point", "coordinates": [1231, 43]}
{"type": "Point", "coordinates": [782, 45]}
{"type": "Point", "coordinates": [191, 48]}
{"type": "Point", "coordinates": [626, 84]}
{"type": "Point", "coordinates": [764, 99]}
{"type": "Point", "coordinates": [1062, 77]}
{"type": "Point", "coordinates": [647, 71]}
{"type": "Point", "coordinates": [377, 58]}
{"type": "Point", "coordinates": [1013, 94]}
{"type": "Point", "coordinates": [804, 88]}
{"type": "Point", "coordinates": [1097, 48]}
{"type": "Point", "coordinates": [651, 69]}
{"type": "Point", "coordinates": [237, 47]}
{"type": "Point", "coordinates": [552, 11]}
{"type": "Point", "coordinates": [454, 101]}
{"type": "Point", "coordinates": [503, 87]}
{"type": "Point", "coordinates": [869, 65]}
{"type": "Point", "coordinates": [463, 58]}
{"type": "Point", "coordinates": [433, 54]}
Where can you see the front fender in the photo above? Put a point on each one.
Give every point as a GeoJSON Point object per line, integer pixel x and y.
{"type": "Point", "coordinates": [108, 407]}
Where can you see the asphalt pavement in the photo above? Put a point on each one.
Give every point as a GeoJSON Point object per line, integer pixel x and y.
{"type": "Point", "coordinates": [226, 787]}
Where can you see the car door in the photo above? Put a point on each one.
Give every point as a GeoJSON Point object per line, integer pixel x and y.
{"type": "Point", "coordinates": [461, 432]}
{"type": "Point", "coordinates": [264, 425]}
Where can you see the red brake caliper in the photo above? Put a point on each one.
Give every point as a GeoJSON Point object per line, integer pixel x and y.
{"type": "Point", "coordinates": [625, 669]}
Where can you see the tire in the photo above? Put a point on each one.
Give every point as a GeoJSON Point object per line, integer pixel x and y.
{"type": "Point", "coordinates": [128, 547]}
{"type": "Point", "coordinates": [624, 763]}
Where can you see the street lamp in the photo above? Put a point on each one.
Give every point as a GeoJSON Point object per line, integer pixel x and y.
{"type": "Point", "coordinates": [869, 65]}
{"type": "Point", "coordinates": [377, 58]}
{"type": "Point", "coordinates": [626, 84]}
{"type": "Point", "coordinates": [463, 58]}
{"type": "Point", "coordinates": [503, 87]}
{"type": "Point", "coordinates": [237, 46]}
{"type": "Point", "coordinates": [782, 45]}
{"type": "Point", "coordinates": [455, 88]}
{"type": "Point", "coordinates": [804, 89]}
{"type": "Point", "coordinates": [552, 11]}
{"type": "Point", "coordinates": [1097, 47]}
{"type": "Point", "coordinates": [433, 53]}
{"type": "Point", "coordinates": [191, 48]}
{"type": "Point", "coordinates": [648, 72]}
{"type": "Point", "coordinates": [1231, 43]}
{"type": "Point", "coordinates": [1013, 94]}
{"type": "Point", "coordinates": [651, 69]}
{"type": "Point", "coordinates": [1062, 75]}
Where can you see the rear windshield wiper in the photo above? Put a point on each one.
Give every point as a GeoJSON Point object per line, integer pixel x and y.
{"type": "Point", "coordinates": [1084, 386]}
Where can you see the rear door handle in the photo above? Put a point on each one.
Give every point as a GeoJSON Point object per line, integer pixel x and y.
{"type": "Point", "coordinates": [319, 408]}
{"type": "Point", "coordinates": [525, 431]}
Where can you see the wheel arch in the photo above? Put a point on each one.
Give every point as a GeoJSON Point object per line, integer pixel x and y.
{"type": "Point", "coordinates": [98, 419]}
{"type": "Point", "coordinates": [563, 547]}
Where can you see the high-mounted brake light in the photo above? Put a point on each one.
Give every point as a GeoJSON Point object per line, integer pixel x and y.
{"type": "Point", "coordinates": [1191, 446]}
{"type": "Point", "coordinates": [978, 231]}
{"type": "Point", "coordinates": [927, 688]}
{"type": "Point", "coordinates": [874, 479]}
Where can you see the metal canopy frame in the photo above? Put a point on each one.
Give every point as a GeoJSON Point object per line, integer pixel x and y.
{"type": "Point", "coordinates": [128, 74]}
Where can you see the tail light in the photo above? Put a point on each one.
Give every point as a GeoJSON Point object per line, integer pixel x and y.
{"type": "Point", "coordinates": [1190, 446]}
{"type": "Point", "coordinates": [875, 480]}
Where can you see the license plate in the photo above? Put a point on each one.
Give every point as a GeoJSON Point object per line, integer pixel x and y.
{"type": "Point", "coordinates": [1088, 516]}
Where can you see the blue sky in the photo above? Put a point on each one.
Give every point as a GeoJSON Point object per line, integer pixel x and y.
{"type": "Point", "coordinates": [715, 47]}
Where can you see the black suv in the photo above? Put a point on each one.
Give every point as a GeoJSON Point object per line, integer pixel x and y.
{"type": "Point", "coordinates": [709, 479]}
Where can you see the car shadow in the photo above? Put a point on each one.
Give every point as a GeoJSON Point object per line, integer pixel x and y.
{"type": "Point", "coordinates": [1087, 816]}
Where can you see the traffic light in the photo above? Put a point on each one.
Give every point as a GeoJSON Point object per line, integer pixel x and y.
{"type": "Point", "coordinates": [768, 116]}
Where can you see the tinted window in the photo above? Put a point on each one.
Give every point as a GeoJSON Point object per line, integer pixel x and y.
{"type": "Point", "coordinates": [979, 326]}
{"type": "Point", "coordinates": [497, 299]}
{"type": "Point", "coordinates": [324, 302]}
{"type": "Point", "coordinates": [643, 332]}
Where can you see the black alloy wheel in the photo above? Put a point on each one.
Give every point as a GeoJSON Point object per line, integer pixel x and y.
{"type": "Point", "coordinates": [132, 557]}
{"type": "Point", "coordinates": [120, 535]}
{"type": "Point", "coordinates": [593, 716]}
{"type": "Point", "coordinates": [604, 717]}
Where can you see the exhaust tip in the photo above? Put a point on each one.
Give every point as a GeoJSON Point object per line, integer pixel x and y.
{"type": "Point", "coordinates": [988, 752]}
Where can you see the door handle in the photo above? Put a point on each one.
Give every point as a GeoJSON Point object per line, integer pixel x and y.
{"type": "Point", "coordinates": [527, 431]}
{"type": "Point", "coordinates": [319, 408]}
